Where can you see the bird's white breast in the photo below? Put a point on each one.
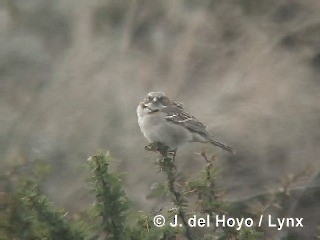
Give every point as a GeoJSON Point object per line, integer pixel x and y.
{"type": "Point", "coordinates": [156, 128]}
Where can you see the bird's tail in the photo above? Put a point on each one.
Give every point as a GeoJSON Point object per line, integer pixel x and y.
{"type": "Point", "coordinates": [222, 145]}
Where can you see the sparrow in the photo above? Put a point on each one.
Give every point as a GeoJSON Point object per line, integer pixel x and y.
{"type": "Point", "coordinates": [163, 120]}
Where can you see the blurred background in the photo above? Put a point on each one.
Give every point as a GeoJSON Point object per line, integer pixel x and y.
{"type": "Point", "coordinates": [72, 73]}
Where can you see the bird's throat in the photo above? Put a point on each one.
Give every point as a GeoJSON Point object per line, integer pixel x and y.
{"type": "Point", "coordinates": [150, 110]}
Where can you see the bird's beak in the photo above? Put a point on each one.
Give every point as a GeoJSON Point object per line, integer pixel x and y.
{"type": "Point", "coordinates": [142, 105]}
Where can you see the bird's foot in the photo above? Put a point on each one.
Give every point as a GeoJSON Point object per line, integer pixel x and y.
{"type": "Point", "coordinates": [157, 147]}
{"type": "Point", "coordinates": [153, 147]}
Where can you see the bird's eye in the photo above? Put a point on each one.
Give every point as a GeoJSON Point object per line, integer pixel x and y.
{"type": "Point", "coordinates": [148, 98]}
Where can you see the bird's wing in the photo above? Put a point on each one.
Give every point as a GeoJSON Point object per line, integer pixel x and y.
{"type": "Point", "coordinates": [176, 115]}
{"type": "Point", "coordinates": [177, 104]}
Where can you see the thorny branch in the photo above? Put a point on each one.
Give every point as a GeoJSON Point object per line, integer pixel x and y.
{"type": "Point", "coordinates": [166, 164]}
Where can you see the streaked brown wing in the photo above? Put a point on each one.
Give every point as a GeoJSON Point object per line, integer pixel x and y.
{"type": "Point", "coordinates": [178, 104]}
{"type": "Point", "coordinates": [178, 116]}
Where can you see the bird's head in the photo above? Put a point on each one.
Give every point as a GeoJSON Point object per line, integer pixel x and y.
{"type": "Point", "coordinates": [155, 101]}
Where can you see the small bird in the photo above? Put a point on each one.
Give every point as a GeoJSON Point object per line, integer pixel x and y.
{"type": "Point", "coordinates": [164, 121]}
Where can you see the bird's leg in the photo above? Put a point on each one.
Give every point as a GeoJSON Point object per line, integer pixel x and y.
{"type": "Point", "coordinates": [173, 153]}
